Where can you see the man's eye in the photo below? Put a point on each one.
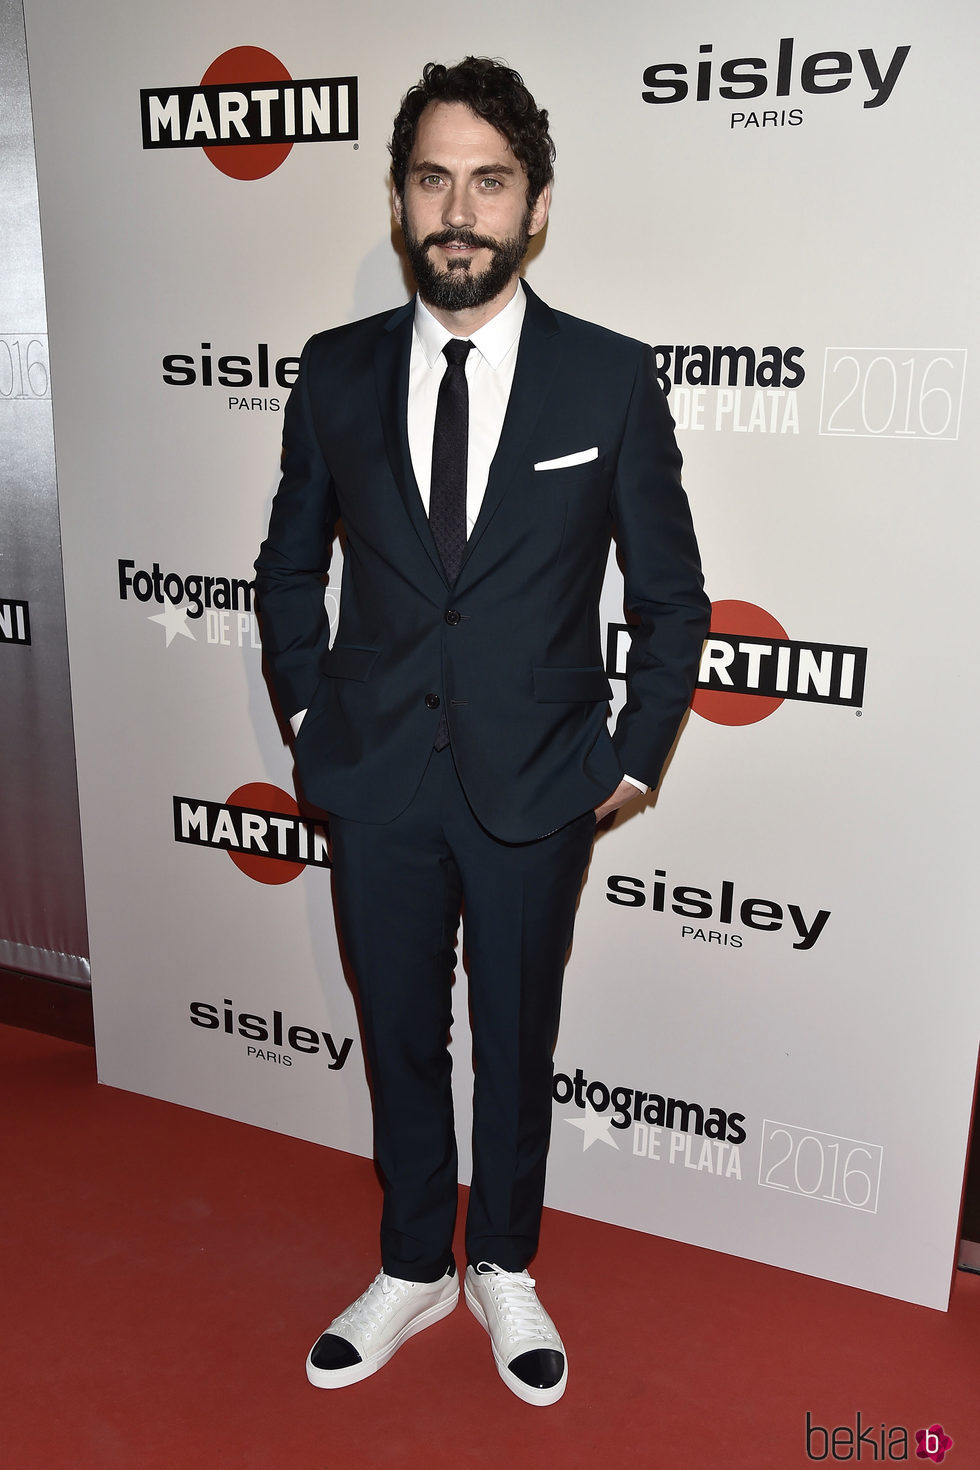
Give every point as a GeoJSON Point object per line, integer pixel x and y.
{"type": "Point", "coordinates": [490, 185]}
{"type": "Point", "coordinates": [431, 180]}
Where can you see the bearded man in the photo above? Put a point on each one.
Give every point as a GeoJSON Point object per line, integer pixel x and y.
{"type": "Point", "coordinates": [480, 449]}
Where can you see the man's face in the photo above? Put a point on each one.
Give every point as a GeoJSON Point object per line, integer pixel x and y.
{"type": "Point", "coordinates": [465, 214]}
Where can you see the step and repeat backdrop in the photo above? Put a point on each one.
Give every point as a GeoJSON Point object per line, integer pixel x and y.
{"type": "Point", "coordinates": [769, 1037]}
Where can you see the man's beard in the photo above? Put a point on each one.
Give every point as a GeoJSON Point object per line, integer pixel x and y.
{"type": "Point", "coordinates": [458, 287]}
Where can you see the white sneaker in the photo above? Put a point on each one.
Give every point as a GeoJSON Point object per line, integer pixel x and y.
{"type": "Point", "coordinates": [529, 1354]}
{"type": "Point", "coordinates": [362, 1339]}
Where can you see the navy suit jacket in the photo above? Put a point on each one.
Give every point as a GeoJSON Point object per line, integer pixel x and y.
{"type": "Point", "coordinates": [512, 653]}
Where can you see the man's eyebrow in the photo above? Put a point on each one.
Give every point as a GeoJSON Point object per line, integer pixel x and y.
{"type": "Point", "coordinates": [426, 167]}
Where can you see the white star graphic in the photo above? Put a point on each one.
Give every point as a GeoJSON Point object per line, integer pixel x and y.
{"type": "Point", "coordinates": [174, 619]}
{"type": "Point", "coordinates": [594, 1126]}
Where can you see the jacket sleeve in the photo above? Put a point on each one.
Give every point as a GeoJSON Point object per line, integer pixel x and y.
{"type": "Point", "coordinates": [665, 598]}
{"type": "Point", "coordinates": [295, 556]}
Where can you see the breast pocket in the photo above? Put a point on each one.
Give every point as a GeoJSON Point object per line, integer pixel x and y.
{"type": "Point", "coordinates": [567, 461]}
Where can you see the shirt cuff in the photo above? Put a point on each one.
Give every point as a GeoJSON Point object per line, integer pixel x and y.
{"type": "Point", "coordinates": [640, 785]}
{"type": "Point", "coordinates": [296, 720]}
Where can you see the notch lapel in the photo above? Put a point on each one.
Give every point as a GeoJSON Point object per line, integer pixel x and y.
{"type": "Point", "coordinates": [538, 356]}
{"type": "Point", "coordinates": [391, 364]}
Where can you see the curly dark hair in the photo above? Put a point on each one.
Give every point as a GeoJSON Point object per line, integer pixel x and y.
{"type": "Point", "coordinates": [494, 92]}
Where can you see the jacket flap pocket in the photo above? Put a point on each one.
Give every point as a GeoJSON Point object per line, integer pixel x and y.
{"type": "Point", "coordinates": [344, 661]}
{"type": "Point", "coordinates": [560, 686]}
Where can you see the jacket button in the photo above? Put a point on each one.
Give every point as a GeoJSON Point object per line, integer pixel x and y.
{"type": "Point", "coordinates": [453, 617]}
{"type": "Point", "coordinates": [432, 701]}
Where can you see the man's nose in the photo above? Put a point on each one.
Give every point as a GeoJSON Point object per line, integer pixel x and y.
{"type": "Point", "coordinates": [458, 209]}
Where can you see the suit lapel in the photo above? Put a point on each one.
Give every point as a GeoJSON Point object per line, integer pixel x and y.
{"type": "Point", "coordinates": [537, 361]}
{"type": "Point", "coordinates": [391, 364]}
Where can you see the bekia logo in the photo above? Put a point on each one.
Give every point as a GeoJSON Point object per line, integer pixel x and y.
{"type": "Point", "coordinates": [247, 112]}
{"type": "Point", "coordinates": [259, 827]}
{"type": "Point", "coordinates": [703, 1139]}
{"type": "Point", "coordinates": [744, 79]}
{"type": "Point", "coordinates": [843, 1442]}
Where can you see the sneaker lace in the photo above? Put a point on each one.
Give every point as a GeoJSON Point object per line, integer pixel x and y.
{"type": "Point", "coordinates": [521, 1314]}
{"type": "Point", "coordinates": [374, 1306]}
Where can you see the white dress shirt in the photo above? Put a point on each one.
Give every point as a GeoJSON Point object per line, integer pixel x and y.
{"type": "Point", "coordinates": [489, 377]}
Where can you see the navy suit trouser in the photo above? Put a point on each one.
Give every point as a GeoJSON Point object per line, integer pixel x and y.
{"type": "Point", "coordinates": [399, 888]}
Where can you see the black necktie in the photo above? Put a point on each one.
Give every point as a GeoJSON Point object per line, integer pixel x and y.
{"type": "Point", "coordinates": [447, 487]}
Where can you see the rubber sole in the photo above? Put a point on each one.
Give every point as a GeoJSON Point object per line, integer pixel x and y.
{"type": "Point", "coordinates": [343, 1377]}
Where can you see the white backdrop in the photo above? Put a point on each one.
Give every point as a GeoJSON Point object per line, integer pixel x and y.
{"type": "Point", "coordinates": [769, 1036]}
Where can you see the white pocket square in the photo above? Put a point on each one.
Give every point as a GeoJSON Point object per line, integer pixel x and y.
{"type": "Point", "coordinates": [582, 457]}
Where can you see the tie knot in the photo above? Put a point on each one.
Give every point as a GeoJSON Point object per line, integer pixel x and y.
{"type": "Point", "coordinates": [455, 351]}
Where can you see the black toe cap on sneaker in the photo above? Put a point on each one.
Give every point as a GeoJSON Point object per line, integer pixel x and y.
{"type": "Point", "coordinates": [541, 1368]}
{"type": "Point", "coordinates": [331, 1352]}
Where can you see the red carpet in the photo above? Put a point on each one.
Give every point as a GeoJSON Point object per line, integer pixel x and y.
{"type": "Point", "coordinates": [166, 1272]}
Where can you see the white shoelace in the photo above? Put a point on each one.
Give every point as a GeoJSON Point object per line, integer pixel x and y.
{"type": "Point", "coordinates": [373, 1307]}
{"type": "Point", "coordinates": [521, 1314]}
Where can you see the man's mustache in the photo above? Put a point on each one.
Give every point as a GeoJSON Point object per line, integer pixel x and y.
{"type": "Point", "coordinates": [461, 237]}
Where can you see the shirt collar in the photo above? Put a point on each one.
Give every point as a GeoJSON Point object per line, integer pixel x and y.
{"type": "Point", "coordinates": [493, 340]}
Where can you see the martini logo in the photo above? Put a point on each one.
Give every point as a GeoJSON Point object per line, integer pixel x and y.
{"type": "Point", "coordinates": [247, 112]}
{"type": "Point", "coordinates": [15, 621]}
{"type": "Point", "coordinates": [259, 827]}
{"type": "Point", "coordinates": [749, 666]}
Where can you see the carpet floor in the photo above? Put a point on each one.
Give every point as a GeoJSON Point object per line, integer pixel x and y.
{"type": "Point", "coordinates": [166, 1271]}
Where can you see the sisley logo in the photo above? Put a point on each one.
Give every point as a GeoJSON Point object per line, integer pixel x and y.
{"type": "Point", "coordinates": [705, 910]}
{"type": "Point", "coordinates": [274, 1032]}
{"type": "Point", "coordinates": [255, 369]}
{"type": "Point", "coordinates": [744, 78]}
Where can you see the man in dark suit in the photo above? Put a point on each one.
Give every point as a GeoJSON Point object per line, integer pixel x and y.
{"type": "Point", "coordinates": [480, 449]}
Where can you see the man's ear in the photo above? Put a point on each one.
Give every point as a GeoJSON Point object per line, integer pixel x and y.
{"type": "Point", "coordinates": [397, 203]}
{"type": "Point", "coordinates": [539, 211]}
